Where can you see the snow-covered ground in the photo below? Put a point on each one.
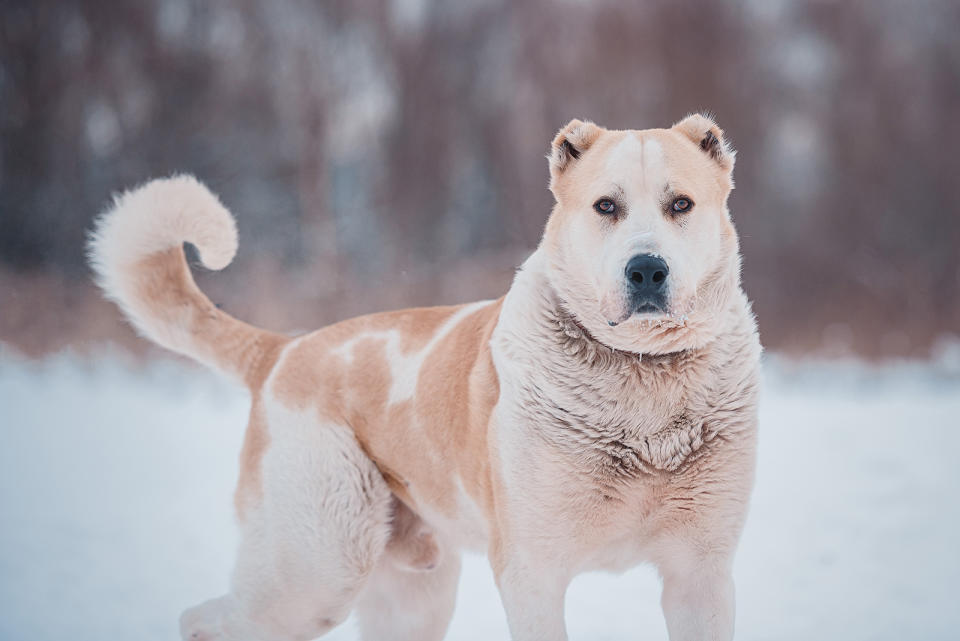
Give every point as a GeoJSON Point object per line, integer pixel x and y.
{"type": "Point", "coordinates": [116, 483]}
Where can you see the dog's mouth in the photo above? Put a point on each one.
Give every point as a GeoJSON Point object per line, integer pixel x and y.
{"type": "Point", "coordinates": [648, 308]}
{"type": "Point", "coordinates": [640, 307]}
{"type": "Point", "coordinates": [647, 312]}
{"type": "Point", "coordinates": [643, 311]}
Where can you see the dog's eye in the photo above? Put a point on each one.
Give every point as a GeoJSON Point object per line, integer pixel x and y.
{"type": "Point", "coordinates": [681, 205]}
{"type": "Point", "coordinates": [605, 206]}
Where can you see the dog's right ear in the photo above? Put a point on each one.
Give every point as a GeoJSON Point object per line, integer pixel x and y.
{"type": "Point", "coordinates": [569, 144]}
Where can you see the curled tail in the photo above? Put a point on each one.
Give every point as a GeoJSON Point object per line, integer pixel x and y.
{"type": "Point", "coordinates": [136, 250]}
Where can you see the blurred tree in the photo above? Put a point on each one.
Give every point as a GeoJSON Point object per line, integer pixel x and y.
{"type": "Point", "coordinates": [356, 139]}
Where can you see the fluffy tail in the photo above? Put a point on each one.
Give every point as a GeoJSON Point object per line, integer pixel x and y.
{"type": "Point", "coordinates": [136, 250]}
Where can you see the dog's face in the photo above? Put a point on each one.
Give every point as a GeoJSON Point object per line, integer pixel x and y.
{"type": "Point", "coordinates": [640, 245]}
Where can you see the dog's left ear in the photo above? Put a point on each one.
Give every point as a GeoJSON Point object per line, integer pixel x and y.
{"type": "Point", "coordinates": [569, 144]}
{"type": "Point", "coordinates": [705, 133]}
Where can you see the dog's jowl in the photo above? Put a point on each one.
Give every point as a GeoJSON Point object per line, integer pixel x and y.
{"type": "Point", "coordinates": [599, 415]}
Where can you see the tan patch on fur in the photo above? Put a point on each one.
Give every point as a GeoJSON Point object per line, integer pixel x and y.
{"type": "Point", "coordinates": [455, 409]}
{"type": "Point", "coordinates": [690, 169]}
{"type": "Point", "coordinates": [250, 481]}
{"type": "Point", "coordinates": [167, 293]}
{"type": "Point", "coordinates": [428, 442]}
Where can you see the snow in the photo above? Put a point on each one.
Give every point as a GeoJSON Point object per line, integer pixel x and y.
{"type": "Point", "coordinates": [116, 497]}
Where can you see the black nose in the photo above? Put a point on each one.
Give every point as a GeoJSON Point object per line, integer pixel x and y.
{"type": "Point", "coordinates": [647, 273]}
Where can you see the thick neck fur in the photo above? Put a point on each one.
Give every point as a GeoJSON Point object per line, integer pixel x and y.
{"type": "Point", "coordinates": [616, 410]}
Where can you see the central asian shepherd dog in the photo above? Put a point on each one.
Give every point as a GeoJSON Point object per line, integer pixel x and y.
{"type": "Point", "coordinates": [601, 414]}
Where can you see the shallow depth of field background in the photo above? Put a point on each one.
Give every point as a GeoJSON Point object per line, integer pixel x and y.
{"type": "Point", "coordinates": [390, 153]}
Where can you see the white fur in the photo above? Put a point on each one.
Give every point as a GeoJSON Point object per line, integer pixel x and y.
{"type": "Point", "coordinates": [538, 461]}
{"type": "Point", "coordinates": [309, 549]}
{"type": "Point", "coordinates": [161, 214]}
{"type": "Point", "coordinates": [158, 216]}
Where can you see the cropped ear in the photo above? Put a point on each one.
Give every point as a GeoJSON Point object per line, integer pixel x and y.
{"type": "Point", "coordinates": [569, 144]}
{"type": "Point", "coordinates": [705, 133]}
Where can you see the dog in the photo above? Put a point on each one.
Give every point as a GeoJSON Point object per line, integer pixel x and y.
{"type": "Point", "coordinates": [602, 414]}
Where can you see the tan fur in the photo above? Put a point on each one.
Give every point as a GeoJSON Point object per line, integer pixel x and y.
{"type": "Point", "coordinates": [443, 423]}
{"type": "Point", "coordinates": [249, 480]}
{"type": "Point", "coordinates": [166, 288]}
{"type": "Point", "coordinates": [558, 428]}
{"type": "Point", "coordinates": [412, 544]}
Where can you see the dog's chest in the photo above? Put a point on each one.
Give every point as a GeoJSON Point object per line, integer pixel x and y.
{"type": "Point", "coordinates": [618, 422]}
{"type": "Point", "coordinates": [614, 455]}
{"type": "Point", "coordinates": [606, 445]}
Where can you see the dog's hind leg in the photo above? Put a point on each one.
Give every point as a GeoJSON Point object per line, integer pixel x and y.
{"type": "Point", "coordinates": [411, 594]}
{"type": "Point", "coordinates": [310, 541]}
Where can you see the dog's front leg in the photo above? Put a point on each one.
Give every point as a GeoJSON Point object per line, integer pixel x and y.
{"type": "Point", "coordinates": [532, 588]}
{"type": "Point", "coordinates": [698, 600]}
{"type": "Point", "coordinates": [531, 538]}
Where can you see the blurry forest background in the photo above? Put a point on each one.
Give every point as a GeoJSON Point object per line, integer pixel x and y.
{"type": "Point", "coordinates": [381, 154]}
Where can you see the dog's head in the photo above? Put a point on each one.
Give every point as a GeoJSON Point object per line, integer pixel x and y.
{"type": "Point", "coordinates": [640, 246]}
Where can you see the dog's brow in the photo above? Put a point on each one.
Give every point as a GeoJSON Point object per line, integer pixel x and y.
{"type": "Point", "coordinates": [614, 190]}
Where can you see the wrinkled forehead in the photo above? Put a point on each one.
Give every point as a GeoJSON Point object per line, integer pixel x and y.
{"type": "Point", "coordinates": [651, 161]}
